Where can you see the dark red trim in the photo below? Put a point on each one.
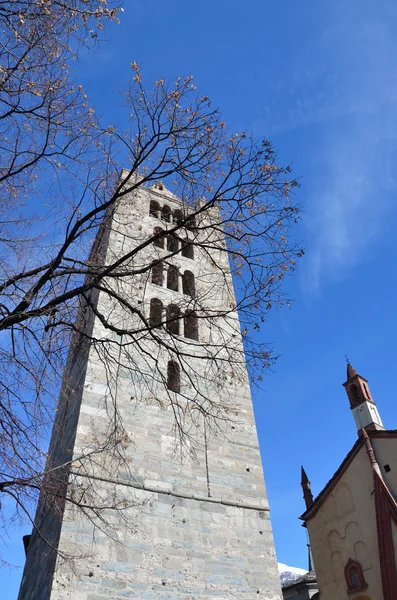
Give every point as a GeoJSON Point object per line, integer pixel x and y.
{"type": "Point", "coordinates": [386, 511]}
{"type": "Point", "coordinates": [326, 491]}
{"type": "Point", "coordinates": [353, 564]}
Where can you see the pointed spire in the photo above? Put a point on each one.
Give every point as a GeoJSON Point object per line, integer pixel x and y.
{"type": "Point", "coordinates": [304, 477]}
{"type": "Point", "coordinates": [351, 372]}
{"type": "Point", "coordinates": [307, 492]}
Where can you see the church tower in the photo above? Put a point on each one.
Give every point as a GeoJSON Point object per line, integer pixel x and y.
{"type": "Point", "coordinates": [362, 404]}
{"type": "Point", "coordinates": [187, 515]}
{"type": "Point", "coordinates": [352, 522]}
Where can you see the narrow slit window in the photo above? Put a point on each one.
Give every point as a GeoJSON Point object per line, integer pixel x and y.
{"type": "Point", "coordinates": [158, 242]}
{"type": "Point", "coordinates": [166, 213]}
{"type": "Point", "coordinates": [188, 284]}
{"type": "Point", "coordinates": [156, 310]}
{"type": "Point", "coordinates": [354, 392]}
{"type": "Point", "coordinates": [172, 243]}
{"type": "Point", "coordinates": [173, 376]}
{"type": "Point", "coordinates": [172, 278]}
{"type": "Point", "coordinates": [157, 274]}
{"type": "Point", "coordinates": [173, 316]}
{"type": "Point", "coordinates": [191, 326]}
{"type": "Point", "coordinates": [187, 249]}
{"type": "Point", "coordinates": [154, 209]}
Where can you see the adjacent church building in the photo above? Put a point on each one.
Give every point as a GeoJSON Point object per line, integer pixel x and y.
{"type": "Point", "coordinates": [352, 524]}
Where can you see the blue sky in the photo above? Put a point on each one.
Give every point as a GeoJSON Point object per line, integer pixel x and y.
{"type": "Point", "coordinates": [319, 79]}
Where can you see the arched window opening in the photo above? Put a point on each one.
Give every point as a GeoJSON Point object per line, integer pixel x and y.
{"type": "Point", "coordinates": [157, 274]}
{"type": "Point", "coordinates": [172, 243]}
{"type": "Point", "coordinates": [191, 326]}
{"type": "Point", "coordinates": [166, 213]}
{"type": "Point", "coordinates": [156, 309]}
{"type": "Point", "coordinates": [187, 249]}
{"type": "Point", "coordinates": [154, 209]}
{"type": "Point", "coordinates": [172, 278]}
{"type": "Point", "coordinates": [177, 216]}
{"type": "Point", "coordinates": [188, 286]}
{"type": "Point", "coordinates": [354, 391]}
{"type": "Point", "coordinates": [173, 376]}
{"type": "Point", "coordinates": [354, 576]}
{"type": "Point", "coordinates": [159, 242]}
{"type": "Point", "coordinates": [173, 315]}
{"type": "Point", "coordinates": [191, 223]}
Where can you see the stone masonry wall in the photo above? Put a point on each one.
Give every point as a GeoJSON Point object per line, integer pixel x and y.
{"type": "Point", "coordinates": [195, 523]}
{"type": "Point", "coordinates": [41, 556]}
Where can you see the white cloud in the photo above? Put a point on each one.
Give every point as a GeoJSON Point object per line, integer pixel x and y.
{"type": "Point", "coordinates": [353, 185]}
{"type": "Point", "coordinates": [339, 105]}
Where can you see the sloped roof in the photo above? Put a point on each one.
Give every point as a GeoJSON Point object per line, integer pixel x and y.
{"type": "Point", "coordinates": [351, 372]}
{"type": "Point", "coordinates": [309, 577]}
{"type": "Point", "coordinates": [331, 484]}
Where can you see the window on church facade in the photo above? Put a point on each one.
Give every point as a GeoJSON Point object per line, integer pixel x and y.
{"type": "Point", "coordinates": [188, 287]}
{"type": "Point", "coordinates": [191, 326]}
{"type": "Point", "coordinates": [191, 223]}
{"type": "Point", "coordinates": [157, 274]}
{"type": "Point", "coordinates": [173, 376]}
{"type": "Point", "coordinates": [166, 214]}
{"type": "Point", "coordinates": [187, 249]}
{"type": "Point", "coordinates": [156, 309]}
{"type": "Point", "coordinates": [354, 576]}
{"type": "Point", "coordinates": [159, 242]}
{"type": "Point", "coordinates": [173, 315]}
{"type": "Point", "coordinates": [154, 208]}
{"type": "Point", "coordinates": [172, 278]}
{"type": "Point", "coordinates": [177, 216]}
{"type": "Point", "coordinates": [172, 243]}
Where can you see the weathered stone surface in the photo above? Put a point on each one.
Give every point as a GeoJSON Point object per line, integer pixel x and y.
{"type": "Point", "coordinates": [174, 541]}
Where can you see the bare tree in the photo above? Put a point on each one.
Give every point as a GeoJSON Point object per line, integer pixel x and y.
{"type": "Point", "coordinates": [236, 210]}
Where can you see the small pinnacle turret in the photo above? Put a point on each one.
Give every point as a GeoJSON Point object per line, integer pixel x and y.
{"type": "Point", "coordinates": [307, 492]}
{"type": "Point", "coordinates": [361, 402]}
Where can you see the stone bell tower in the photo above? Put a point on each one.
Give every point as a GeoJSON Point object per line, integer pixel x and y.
{"type": "Point", "coordinates": [187, 515]}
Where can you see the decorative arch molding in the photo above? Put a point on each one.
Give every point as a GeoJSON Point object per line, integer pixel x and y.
{"type": "Point", "coordinates": [362, 555]}
{"type": "Point", "coordinates": [344, 500]}
{"type": "Point", "coordinates": [353, 532]}
{"type": "Point", "coordinates": [354, 576]}
{"type": "Point", "coordinates": [337, 565]}
{"type": "Point", "coordinates": [334, 540]}
{"type": "Point", "coordinates": [329, 510]}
